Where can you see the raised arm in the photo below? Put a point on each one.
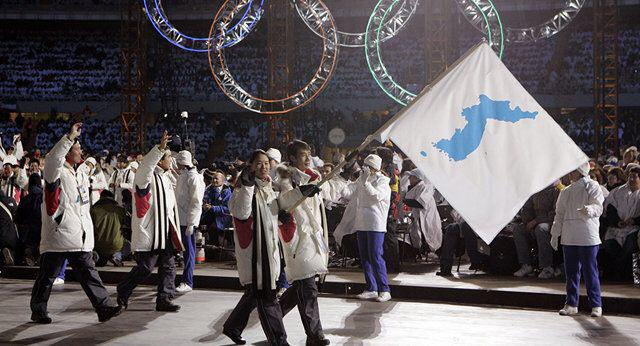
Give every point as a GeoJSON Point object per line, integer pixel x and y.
{"type": "Point", "coordinates": [144, 175]}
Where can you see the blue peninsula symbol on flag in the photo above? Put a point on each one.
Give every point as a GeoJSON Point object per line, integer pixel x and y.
{"type": "Point", "coordinates": [466, 140]}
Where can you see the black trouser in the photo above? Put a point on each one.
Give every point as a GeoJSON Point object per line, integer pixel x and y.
{"type": "Point", "coordinates": [450, 240]}
{"type": "Point", "coordinates": [86, 273]}
{"type": "Point", "coordinates": [268, 311]}
{"type": "Point", "coordinates": [304, 294]}
{"type": "Point", "coordinates": [145, 262]}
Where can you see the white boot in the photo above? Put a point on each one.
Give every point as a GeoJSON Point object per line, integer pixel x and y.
{"type": "Point", "coordinates": [525, 270]}
{"type": "Point", "coordinates": [596, 312]}
{"type": "Point", "coordinates": [58, 282]}
{"type": "Point", "coordinates": [568, 310]}
{"type": "Point", "coordinates": [367, 295]}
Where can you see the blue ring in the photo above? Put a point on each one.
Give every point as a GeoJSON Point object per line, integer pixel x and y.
{"type": "Point", "coordinates": [161, 13]}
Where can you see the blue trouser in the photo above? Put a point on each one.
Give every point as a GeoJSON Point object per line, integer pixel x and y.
{"type": "Point", "coordinates": [189, 242]}
{"type": "Point", "coordinates": [375, 269]}
{"type": "Point", "coordinates": [577, 260]}
{"type": "Point", "coordinates": [62, 272]}
{"type": "Point", "coordinates": [282, 279]}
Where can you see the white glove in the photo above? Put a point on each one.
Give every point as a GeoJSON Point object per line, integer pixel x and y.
{"type": "Point", "coordinates": [366, 172]}
{"type": "Point", "coordinates": [554, 242]}
{"type": "Point", "coordinates": [584, 210]}
{"type": "Point", "coordinates": [189, 230]}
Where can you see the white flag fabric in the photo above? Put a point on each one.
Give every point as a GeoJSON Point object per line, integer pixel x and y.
{"type": "Point", "coordinates": [483, 141]}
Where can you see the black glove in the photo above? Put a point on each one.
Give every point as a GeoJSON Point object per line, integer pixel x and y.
{"type": "Point", "coordinates": [413, 203]}
{"type": "Point", "coordinates": [284, 217]}
{"type": "Point", "coordinates": [247, 178]}
{"type": "Point", "coordinates": [345, 174]}
{"type": "Point", "coordinates": [352, 155]}
{"type": "Point", "coordinates": [309, 190]}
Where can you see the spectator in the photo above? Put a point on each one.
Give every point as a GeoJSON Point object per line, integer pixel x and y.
{"type": "Point", "coordinates": [108, 218]}
{"type": "Point", "coordinates": [622, 217]}
{"type": "Point", "coordinates": [537, 217]}
{"type": "Point", "coordinates": [215, 214]}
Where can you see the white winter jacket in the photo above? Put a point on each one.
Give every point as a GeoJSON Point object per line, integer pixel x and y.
{"type": "Point", "coordinates": [189, 194]}
{"type": "Point", "coordinates": [66, 222]}
{"type": "Point", "coordinates": [265, 217]}
{"type": "Point", "coordinates": [155, 221]}
{"type": "Point", "coordinates": [371, 199]}
{"type": "Point", "coordinates": [575, 227]}
{"type": "Point", "coordinates": [305, 245]}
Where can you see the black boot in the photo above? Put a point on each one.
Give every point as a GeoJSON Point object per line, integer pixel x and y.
{"type": "Point", "coordinates": [42, 318]}
{"type": "Point", "coordinates": [319, 341]}
{"type": "Point", "coordinates": [122, 301]}
{"type": "Point", "coordinates": [237, 339]}
{"type": "Point", "coordinates": [166, 306]}
{"type": "Point", "coordinates": [107, 312]}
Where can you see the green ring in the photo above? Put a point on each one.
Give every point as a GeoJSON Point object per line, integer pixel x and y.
{"type": "Point", "coordinates": [403, 92]}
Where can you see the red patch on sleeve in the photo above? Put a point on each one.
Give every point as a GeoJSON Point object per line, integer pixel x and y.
{"type": "Point", "coordinates": [244, 230]}
{"type": "Point", "coordinates": [287, 230]}
{"type": "Point", "coordinates": [312, 174]}
{"type": "Point", "coordinates": [52, 197]}
{"type": "Point", "coordinates": [142, 204]}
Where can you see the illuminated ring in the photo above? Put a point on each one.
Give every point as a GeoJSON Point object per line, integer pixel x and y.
{"type": "Point", "coordinates": [347, 39]}
{"type": "Point", "coordinates": [373, 50]}
{"type": "Point", "coordinates": [237, 94]}
{"type": "Point", "coordinates": [482, 14]}
{"type": "Point", "coordinates": [236, 34]}
{"type": "Point", "coordinates": [545, 30]}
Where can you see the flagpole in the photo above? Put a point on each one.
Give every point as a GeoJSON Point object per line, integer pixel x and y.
{"type": "Point", "coordinates": [375, 135]}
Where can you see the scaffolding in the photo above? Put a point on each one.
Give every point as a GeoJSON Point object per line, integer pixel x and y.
{"type": "Point", "coordinates": [440, 43]}
{"type": "Point", "coordinates": [134, 90]}
{"type": "Point", "coordinates": [606, 72]}
{"type": "Point", "coordinates": [281, 57]}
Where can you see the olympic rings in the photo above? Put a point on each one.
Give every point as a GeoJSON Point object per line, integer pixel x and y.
{"type": "Point", "coordinates": [545, 30]}
{"type": "Point", "coordinates": [347, 39]}
{"type": "Point", "coordinates": [373, 50]}
{"type": "Point", "coordinates": [323, 21]}
{"type": "Point", "coordinates": [162, 24]}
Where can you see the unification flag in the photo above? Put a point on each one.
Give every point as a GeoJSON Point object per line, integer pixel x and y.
{"type": "Point", "coordinates": [483, 141]}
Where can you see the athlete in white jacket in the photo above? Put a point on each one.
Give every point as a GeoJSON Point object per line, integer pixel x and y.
{"type": "Point", "coordinates": [155, 236]}
{"type": "Point", "coordinates": [255, 209]}
{"type": "Point", "coordinates": [189, 194]}
{"type": "Point", "coordinates": [305, 242]}
{"type": "Point", "coordinates": [67, 230]}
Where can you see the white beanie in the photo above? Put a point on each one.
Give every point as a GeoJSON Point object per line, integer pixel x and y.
{"type": "Point", "coordinates": [91, 160]}
{"type": "Point", "coordinates": [184, 158]}
{"type": "Point", "coordinates": [10, 159]}
{"type": "Point", "coordinates": [418, 174]}
{"type": "Point", "coordinates": [274, 154]}
{"type": "Point", "coordinates": [373, 161]}
{"type": "Point", "coordinates": [134, 165]}
{"type": "Point", "coordinates": [584, 169]}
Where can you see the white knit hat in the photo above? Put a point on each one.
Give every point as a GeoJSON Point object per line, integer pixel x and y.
{"type": "Point", "coordinates": [134, 165]}
{"type": "Point", "coordinates": [373, 161]}
{"type": "Point", "coordinates": [274, 154]}
{"type": "Point", "coordinates": [10, 159]}
{"type": "Point", "coordinates": [584, 169]}
{"type": "Point", "coordinates": [91, 160]}
{"type": "Point", "coordinates": [184, 158]}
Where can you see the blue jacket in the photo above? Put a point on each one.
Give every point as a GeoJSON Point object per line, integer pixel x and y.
{"type": "Point", "coordinates": [218, 216]}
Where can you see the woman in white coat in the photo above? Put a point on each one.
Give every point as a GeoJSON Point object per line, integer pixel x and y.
{"type": "Point", "coordinates": [369, 201]}
{"type": "Point", "coordinates": [254, 208]}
